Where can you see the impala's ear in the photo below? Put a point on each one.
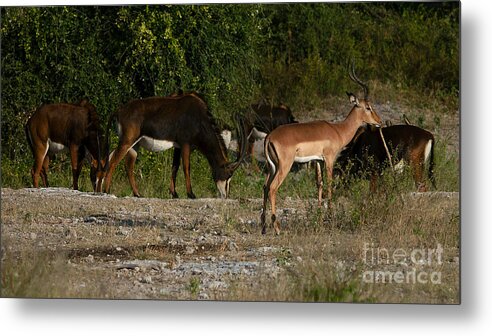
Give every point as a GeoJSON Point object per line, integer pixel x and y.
{"type": "Point", "coordinates": [353, 98]}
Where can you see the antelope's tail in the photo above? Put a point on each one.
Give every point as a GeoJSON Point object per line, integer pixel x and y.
{"type": "Point", "coordinates": [431, 164]}
{"type": "Point", "coordinates": [271, 157]}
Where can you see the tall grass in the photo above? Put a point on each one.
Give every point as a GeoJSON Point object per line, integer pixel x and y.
{"type": "Point", "coordinates": [153, 174]}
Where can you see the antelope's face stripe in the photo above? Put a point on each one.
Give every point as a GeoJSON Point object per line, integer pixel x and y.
{"type": "Point", "coordinates": [223, 187]}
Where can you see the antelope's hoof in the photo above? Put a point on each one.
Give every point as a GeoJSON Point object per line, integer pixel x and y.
{"type": "Point", "coordinates": [137, 195]}
{"type": "Point", "coordinates": [174, 195]}
{"type": "Point", "coordinates": [263, 231]}
{"type": "Point", "coordinates": [191, 195]}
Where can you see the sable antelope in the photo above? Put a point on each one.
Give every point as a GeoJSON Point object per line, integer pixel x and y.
{"type": "Point", "coordinates": [226, 133]}
{"type": "Point", "coordinates": [181, 121]}
{"type": "Point", "coordinates": [312, 141]}
{"type": "Point", "coordinates": [265, 118]}
{"type": "Point", "coordinates": [407, 144]}
{"type": "Point", "coordinates": [54, 127]}
{"type": "Point", "coordinates": [262, 120]}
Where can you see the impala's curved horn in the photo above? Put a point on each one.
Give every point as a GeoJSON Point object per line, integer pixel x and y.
{"type": "Point", "coordinates": [354, 78]}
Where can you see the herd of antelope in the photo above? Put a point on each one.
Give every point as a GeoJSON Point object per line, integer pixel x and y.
{"type": "Point", "coordinates": [270, 134]}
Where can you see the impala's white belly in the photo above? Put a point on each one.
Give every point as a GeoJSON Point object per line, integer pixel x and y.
{"type": "Point", "coordinates": [155, 145]}
{"type": "Point", "coordinates": [55, 147]}
{"type": "Point", "coordinates": [304, 159]}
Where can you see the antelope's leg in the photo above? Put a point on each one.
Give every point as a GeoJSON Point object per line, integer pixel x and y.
{"type": "Point", "coordinates": [319, 182]}
{"type": "Point", "coordinates": [174, 172]}
{"type": "Point", "coordinates": [329, 180]}
{"type": "Point", "coordinates": [116, 157]}
{"type": "Point", "coordinates": [44, 171]}
{"type": "Point", "coordinates": [417, 166]}
{"type": "Point", "coordinates": [186, 169]}
{"type": "Point", "coordinates": [131, 158]}
{"type": "Point", "coordinates": [272, 194]}
{"type": "Point", "coordinates": [266, 190]}
{"type": "Point", "coordinates": [74, 156]}
{"type": "Point", "coordinates": [39, 155]}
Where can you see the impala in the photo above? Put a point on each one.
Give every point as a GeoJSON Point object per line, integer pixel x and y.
{"type": "Point", "coordinates": [318, 141]}
{"type": "Point", "coordinates": [182, 121]}
{"type": "Point", "coordinates": [54, 127]}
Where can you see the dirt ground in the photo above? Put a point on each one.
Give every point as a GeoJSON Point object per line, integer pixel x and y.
{"type": "Point", "coordinates": [206, 249]}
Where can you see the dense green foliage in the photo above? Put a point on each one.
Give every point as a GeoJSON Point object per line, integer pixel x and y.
{"type": "Point", "coordinates": [232, 54]}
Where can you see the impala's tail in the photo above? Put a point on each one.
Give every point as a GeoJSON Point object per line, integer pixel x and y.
{"type": "Point", "coordinates": [272, 160]}
{"type": "Point", "coordinates": [271, 157]}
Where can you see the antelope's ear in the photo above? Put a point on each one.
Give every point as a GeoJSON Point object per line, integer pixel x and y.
{"type": "Point", "coordinates": [353, 98]}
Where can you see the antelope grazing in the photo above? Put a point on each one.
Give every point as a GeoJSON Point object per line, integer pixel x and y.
{"type": "Point", "coordinates": [182, 121]}
{"type": "Point", "coordinates": [408, 144]}
{"type": "Point", "coordinates": [54, 127]}
{"type": "Point", "coordinates": [312, 141]}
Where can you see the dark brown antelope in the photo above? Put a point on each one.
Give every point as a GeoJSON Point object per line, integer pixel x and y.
{"type": "Point", "coordinates": [408, 145]}
{"type": "Point", "coordinates": [182, 121]}
{"type": "Point", "coordinates": [54, 127]}
{"type": "Point", "coordinates": [264, 118]}
{"type": "Point", "coordinates": [318, 141]}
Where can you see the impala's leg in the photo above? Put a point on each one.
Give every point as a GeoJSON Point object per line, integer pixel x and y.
{"type": "Point", "coordinates": [329, 179]}
{"type": "Point", "coordinates": [186, 168]}
{"type": "Point", "coordinates": [131, 158]}
{"type": "Point", "coordinates": [272, 194]}
{"type": "Point", "coordinates": [266, 191]}
{"type": "Point", "coordinates": [319, 182]}
{"type": "Point", "coordinates": [116, 157]}
{"type": "Point", "coordinates": [74, 156]}
{"type": "Point", "coordinates": [44, 171]}
{"type": "Point", "coordinates": [174, 172]}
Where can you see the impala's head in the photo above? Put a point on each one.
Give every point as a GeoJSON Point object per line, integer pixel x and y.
{"type": "Point", "coordinates": [365, 110]}
{"type": "Point", "coordinates": [363, 106]}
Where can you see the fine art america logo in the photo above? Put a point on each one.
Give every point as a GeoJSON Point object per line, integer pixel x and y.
{"type": "Point", "coordinates": [402, 266]}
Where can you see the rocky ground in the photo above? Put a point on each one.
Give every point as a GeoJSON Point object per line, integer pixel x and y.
{"type": "Point", "coordinates": [155, 248]}
{"type": "Point", "coordinates": [159, 248]}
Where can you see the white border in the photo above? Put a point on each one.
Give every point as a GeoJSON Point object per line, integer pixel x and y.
{"type": "Point", "coordinates": [98, 317]}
